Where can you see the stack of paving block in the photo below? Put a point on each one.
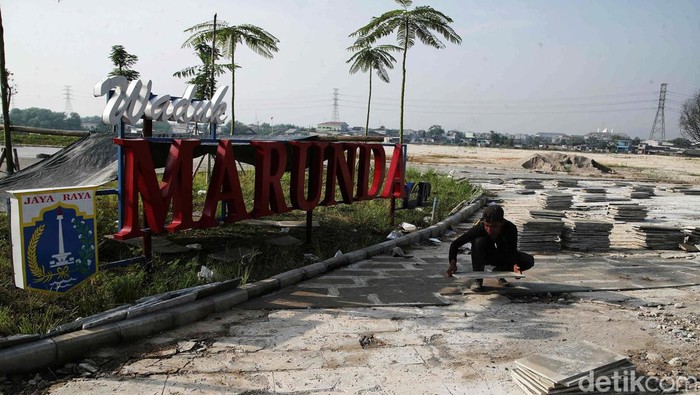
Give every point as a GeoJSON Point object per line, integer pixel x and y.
{"type": "Point", "coordinates": [552, 200]}
{"type": "Point", "coordinates": [586, 235]}
{"type": "Point", "coordinates": [594, 195]}
{"type": "Point", "coordinates": [567, 183]}
{"type": "Point", "coordinates": [547, 214]}
{"type": "Point", "coordinates": [658, 237]}
{"type": "Point", "coordinates": [627, 212]}
{"type": "Point", "coordinates": [691, 191]}
{"type": "Point", "coordinates": [642, 192]}
{"type": "Point", "coordinates": [574, 368]}
{"type": "Point", "coordinates": [529, 187]}
{"type": "Point", "coordinates": [539, 234]}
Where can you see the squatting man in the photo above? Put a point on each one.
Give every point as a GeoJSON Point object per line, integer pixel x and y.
{"type": "Point", "coordinates": [494, 243]}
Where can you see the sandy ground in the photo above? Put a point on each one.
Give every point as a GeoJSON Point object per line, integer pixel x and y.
{"type": "Point", "coordinates": [627, 166]}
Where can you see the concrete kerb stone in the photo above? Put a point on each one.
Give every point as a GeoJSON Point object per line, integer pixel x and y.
{"type": "Point", "coordinates": [387, 246]}
{"type": "Point", "coordinates": [371, 250]}
{"type": "Point", "coordinates": [337, 262]}
{"type": "Point", "coordinates": [191, 312]}
{"type": "Point", "coordinates": [70, 346]}
{"type": "Point", "coordinates": [28, 356]}
{"type": "Point", "coordinates": [145, 325]}
{"type": "Point", "coordinates": [261, 287]}
{"type": "Point", "coordinates": [289, 277]}
{"type": "Point", "coordinates": [315, 269]}
{"type": "Point", "coordinates": [226, 300]}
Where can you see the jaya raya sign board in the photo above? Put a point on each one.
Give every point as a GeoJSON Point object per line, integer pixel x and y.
{"type": "Point", "coordinates": [53, 237]}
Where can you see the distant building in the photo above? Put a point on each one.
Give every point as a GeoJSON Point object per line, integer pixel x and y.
{"type": "Point", "coordinates": [552, 138]}
{"type": "Point", "coordinates": [338, 127]}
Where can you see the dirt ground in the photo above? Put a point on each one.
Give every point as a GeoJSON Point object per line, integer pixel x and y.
{"type": "Point", "coordinates": [673, 169]}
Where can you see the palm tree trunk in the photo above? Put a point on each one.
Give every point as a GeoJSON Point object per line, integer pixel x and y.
{"type": "Point", "coordinates": [233, 84]}
{"type": "Point", "coordinates": [369, 100]}
{"type": "Point", "coordinates": [403, 82]}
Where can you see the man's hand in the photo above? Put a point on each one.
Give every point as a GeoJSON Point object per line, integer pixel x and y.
{"type": "Point", "coordinates": [452, 269]}
{"type": "Point", "coordinates": [516, 269]}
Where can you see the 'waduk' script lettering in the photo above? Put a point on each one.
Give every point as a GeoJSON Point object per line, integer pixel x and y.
{"type": "Point", "coordinates": [130, 101]}
{"type": "Point", "coordinates": [348, 168]}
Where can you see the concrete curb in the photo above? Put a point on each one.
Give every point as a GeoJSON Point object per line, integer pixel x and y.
{"type": "Point", "coordinates": [65, 347]}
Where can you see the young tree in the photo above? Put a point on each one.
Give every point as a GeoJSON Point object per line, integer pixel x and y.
{"type": "Point", "coordinates": [419, 23]}
{"type": "Point", "coordinates": [368, 59]}
{"type": "Point", "coordinates": [123, 61]}
{"type": "Point", "coordinates": [5, 92]}
{"type": "Point", "coordinates": [227, 40]}
{"type": "Point", "coordinates": [201, 74]}
{"type": "Point", "coordinates": [690, 118]}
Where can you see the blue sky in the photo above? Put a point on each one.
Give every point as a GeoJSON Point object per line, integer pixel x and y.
{"type": "Point", "coordinates": [523, 66]}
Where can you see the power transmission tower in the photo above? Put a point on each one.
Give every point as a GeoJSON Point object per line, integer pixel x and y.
{"type": "Point", "coordinates": [659, 125]}
{"type": "Point", "coordinates": [335, 117]}
{"type": "Point", "coordinates": [69, 106]}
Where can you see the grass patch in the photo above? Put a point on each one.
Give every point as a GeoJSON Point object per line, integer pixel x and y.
{"type": "Point", "coordinates": [43, 140]}
{"type": "Point", "coordinates": [342, 227]}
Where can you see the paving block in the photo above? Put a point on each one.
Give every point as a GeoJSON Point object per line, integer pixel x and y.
{"type": "Point", "coordinates": [191, 312]}
{"type": "Point", "coordinates": [289, 277]}
{"type": "Point", "coordinates": [71, 346]}
{"type": "Point", "coordinates": [140, 327]}
{"type": "Point", "coordinates": [261, 287]}
{"type": "Point", "coordinates": [28, 357]}
{"type": "Point", "coordinates": [315, 269]}
{"type": "Point", "coordinates": [226, 300]}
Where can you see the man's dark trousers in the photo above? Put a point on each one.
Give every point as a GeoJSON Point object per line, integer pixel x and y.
{"type": "Point", "coordinates": [485, 252]}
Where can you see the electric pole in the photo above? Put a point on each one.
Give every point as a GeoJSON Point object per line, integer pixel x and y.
{"type": "Point", "coordinates": [659, 125]}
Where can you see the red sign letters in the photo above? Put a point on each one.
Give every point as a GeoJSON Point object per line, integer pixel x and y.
{"type": "Point", "coordinates": [351, 173]}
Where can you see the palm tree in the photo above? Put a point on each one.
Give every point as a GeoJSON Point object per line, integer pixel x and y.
{"type": "Point", "coordinates": [368, 59]}
{"type": "Point", "coordinates": [201, 74]}
{"type": "Point", "coordinates": [409, 25]}
{"type": "Point", "coordinates": [123, 61]}
{"type": "Point", "coordinates": [228, 38]}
